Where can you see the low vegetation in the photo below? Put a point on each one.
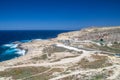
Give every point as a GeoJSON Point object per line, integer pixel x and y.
{"type": "Point", "coordinates": [18, 73]}
{"type": "Point", "coordinates": [98, 77]}
{"type": "Point", "coordinates": [53, 49]}
{"type": "Point", "coordinates": [99, 62]}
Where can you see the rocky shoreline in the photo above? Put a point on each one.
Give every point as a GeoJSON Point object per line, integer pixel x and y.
{"type": "Point", "coordinates": [72, 55]}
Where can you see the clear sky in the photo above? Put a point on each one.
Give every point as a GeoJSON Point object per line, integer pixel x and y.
{"type": "Point", "coordinates": [58, 14]}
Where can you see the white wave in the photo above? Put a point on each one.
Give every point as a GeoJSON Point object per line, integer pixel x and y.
{"type": "Point", "coordinates": [38, 39]}
{"type": "Point", "coordinates": [20, 52]}
{"type": "Point", "coordinates": [13, 50]}
{"type": "Point", "coordinates": [11, 45]}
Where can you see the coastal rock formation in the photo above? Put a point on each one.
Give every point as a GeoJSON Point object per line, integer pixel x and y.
{"type": "Point", "coordinates": [88, 54]}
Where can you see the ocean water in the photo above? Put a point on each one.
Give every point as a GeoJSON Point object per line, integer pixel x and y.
{"type": "Point", "coordinates": [9, 50]}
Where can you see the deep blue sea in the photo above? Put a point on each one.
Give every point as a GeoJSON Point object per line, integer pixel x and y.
{"type": "Point", "coordinates": [8, 49]}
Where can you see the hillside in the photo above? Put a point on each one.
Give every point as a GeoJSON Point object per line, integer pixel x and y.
{"type": "Point", "coordinates": [88, 54]}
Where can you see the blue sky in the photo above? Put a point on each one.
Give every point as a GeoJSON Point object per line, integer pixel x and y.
{"type": "Point", "coordinates": [58, 14]}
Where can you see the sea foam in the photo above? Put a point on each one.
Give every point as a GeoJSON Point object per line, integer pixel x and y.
{"type": "Point", "coordinates": [12, 49]}
{"type": "Point", "coordinates": [20, 52]}
{"type": "Point", "coordinates": [11, 45]}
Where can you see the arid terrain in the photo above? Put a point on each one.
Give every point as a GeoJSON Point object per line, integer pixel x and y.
{"type": "Point", "coordinates": [88, 54]}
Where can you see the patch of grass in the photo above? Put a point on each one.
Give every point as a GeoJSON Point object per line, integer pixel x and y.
{"type": "Point", "coordinates": [110, 49]}
{"type": "Point", "coordinates": [18, 73]}
{"type": "Point", "coordinates": [53, 49]}
{"type": "Point", "coordinates": [98, 63]}
{"type": "Point", "coordinates": [98, 77]}
{"type": "Point", "coordinates": [114, 49]}
{"type": "Point", "coordinates": [43, 57]}
{"type": "Point", "coordinates": [47, 75]}
{"type": "Point", "coordinates": [57, 70]}
{"type": "Point", "coordinates": [39, 77]}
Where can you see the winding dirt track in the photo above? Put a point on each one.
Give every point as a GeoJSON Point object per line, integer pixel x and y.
{"type": "Point", "coordinates": [68, 61]}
